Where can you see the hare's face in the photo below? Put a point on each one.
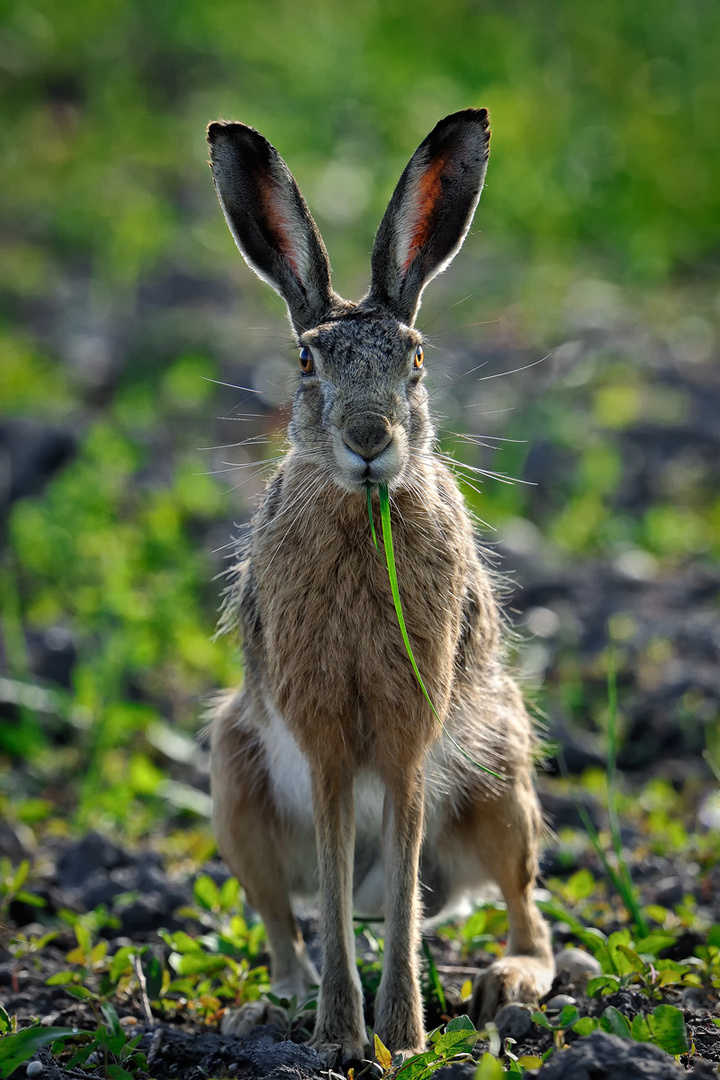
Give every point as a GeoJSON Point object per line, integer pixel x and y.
{"type": "Point", "coordinates": [361, 410]}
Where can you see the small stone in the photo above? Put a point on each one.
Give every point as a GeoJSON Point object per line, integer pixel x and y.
{"type": "Point", "coordinates": [514, 1021]}
{"type": "Point", "coordinates": [577, 964]}
{"type": "Point", "coordinates": [34, 1068]}
{"type": "Point", "coordinates": [558, 1003]}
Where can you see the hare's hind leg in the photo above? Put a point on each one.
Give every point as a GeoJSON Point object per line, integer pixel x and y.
{"type": "Point", "coordinates": [505, 832]}
{"type": "Point", "coordinates": [254, 842]}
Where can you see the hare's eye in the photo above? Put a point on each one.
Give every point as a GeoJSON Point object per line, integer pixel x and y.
{"type": "Point", "coordinates": [419, 358]}
{"type": "Point", "coordinates": [306, 361]}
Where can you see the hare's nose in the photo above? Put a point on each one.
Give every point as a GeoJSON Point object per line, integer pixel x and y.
{"type": "Point", "coordinates": [368, 435]}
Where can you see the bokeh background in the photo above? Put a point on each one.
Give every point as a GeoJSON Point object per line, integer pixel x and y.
{"type": "Point", "coordinates": [572, 348]}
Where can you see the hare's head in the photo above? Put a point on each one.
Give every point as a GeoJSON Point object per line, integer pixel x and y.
{"type": "Point", "coordinates": [360, 408]}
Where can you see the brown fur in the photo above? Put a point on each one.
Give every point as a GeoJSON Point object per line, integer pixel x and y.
{"type": "Point", "coordinates": [330, 771]}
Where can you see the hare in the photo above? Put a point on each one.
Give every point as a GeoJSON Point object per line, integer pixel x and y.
{"type": "Point", "coordinates": [330, 773]}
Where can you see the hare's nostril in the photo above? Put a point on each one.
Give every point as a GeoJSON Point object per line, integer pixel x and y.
{"type": "Point", "coordinates": [367, 436]}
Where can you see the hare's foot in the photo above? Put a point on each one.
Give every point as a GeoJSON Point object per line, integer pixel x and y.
{"type": "Point", "coordinates": [399, 1021]}
{"type": "Point", "coordinates": [241, 1021]}
{"type": "Point", "coordinates": [340, 1034]}
{"type": "Point", "coordinates": [339, 1046]}
{"type": "Point", "coordinates": [521, 979]}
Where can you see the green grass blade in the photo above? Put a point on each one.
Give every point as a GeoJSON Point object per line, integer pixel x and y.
{"type": "Point", "coordinates": [392, 572]}
{"type": "Point", "coordinates": [368, 488]}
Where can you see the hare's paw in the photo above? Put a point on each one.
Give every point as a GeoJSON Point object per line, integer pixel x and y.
{"type": "Point", "coordinates": [338, 1047]}
{"type": "Point", "coordinates": [522, 979]}
{"type": "Point", "coordinates": [399, 1021]}
{"type": "Point", "coordinates": [241, 1021]}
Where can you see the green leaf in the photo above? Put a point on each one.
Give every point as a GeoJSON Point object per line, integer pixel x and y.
{"type": "Point", "coordinates": [640, 1029]}
{"type": "Point", "coordinates": [229, 894]}
{"type": "Point", "coordinates": [121, 963]}
{"type": "Point", "coordinates": [637, 964]}
{"type": "Point", "coordinates": [21, 874]}
{"type": "Point", "coordinates": [81, 993]}
{"type": "Point", "coordinates": [585, 1025]}
{"type": "Point", "coordinates": [654, 943]}
{"type": "Point", "coordinates": [206, 892]}
{"type": "Point", "coordinates": [455, 1042]}
{"type": "Point", "coordinates": [118, 1073]}
{"type": "Point", "coordinates": [615, 1023]}
{"type": "Point", "coordinates": [667, 1025]}
{"type": "Point", "coordinates": [197, 963]}
{"type": "Point", "coordinates": [153, 970]}
{"type": "Point", "coordinates": [541, 1020]}
{"type": "Point", "coordinates": [5, 1022]}
{"type": "Point", "coordinates": [60, 978]}
{"type": "Point", "coordinates": [14, 1049]}
{"type": "Point", "coordinates": [368, 489]}
{"type": "Point", "coordinates": [567, 1017]}
{"type": "Point", "coordinates": [419, 1066]}
{"type": "Point", "coordinates": [602, 982]}
{"type": "Point", "coordinates": [30, 898]}
{"type": "Point", "coordinates": [489, 1068]}
{"type": "Point", "coordinates": [461, 1023]}
{"type": "Point", "coordinates": [182, 942]}
{"type": "Point", "coordinates": [112, 1019]}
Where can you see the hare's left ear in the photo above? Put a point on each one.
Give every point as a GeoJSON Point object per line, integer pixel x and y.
{"type": "Point", "coordinates": [430, 211]}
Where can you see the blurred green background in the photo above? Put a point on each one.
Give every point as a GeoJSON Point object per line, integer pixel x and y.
{"type": "Point", "coordinates": [595, 250]}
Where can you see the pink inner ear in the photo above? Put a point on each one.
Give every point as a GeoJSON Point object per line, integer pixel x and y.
{"type": "Point", "coordinates": [428, 189]}
{"type": "Point", "coordinates": [279, 221]}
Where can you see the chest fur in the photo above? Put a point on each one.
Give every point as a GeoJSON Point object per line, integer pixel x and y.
{"type": "Point", "coordinates": [331, 640]}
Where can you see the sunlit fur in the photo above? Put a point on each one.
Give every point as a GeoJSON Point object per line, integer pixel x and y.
{"type": "Point", "coordinates": [331, 774]}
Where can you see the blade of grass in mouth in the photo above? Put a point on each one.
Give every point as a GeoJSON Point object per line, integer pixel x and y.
{"type": "Point", "coordinates": [392, 573]}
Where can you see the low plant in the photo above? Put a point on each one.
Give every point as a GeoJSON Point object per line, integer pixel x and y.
{"type": "Point", "coordinates": [108, 1046]}
{"type": "Point", "coordinates": [664, 1026]}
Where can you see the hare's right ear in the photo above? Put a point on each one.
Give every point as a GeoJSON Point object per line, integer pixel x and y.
{"type": "Point", "coordinates": [270, 221]}
{"type": "Point", "coordinates": [430, 211]}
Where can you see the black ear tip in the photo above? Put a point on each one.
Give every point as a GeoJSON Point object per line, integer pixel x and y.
{"type": "Point", "coordinates": [215, 129]}
{"type": "Point", "coordinates": [472, 123]}
{"type": "Point", "coordinates": [478, 117]}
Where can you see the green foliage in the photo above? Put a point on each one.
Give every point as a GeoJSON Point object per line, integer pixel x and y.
{"type": "Point", "coordinates": [12, 880]}
{"type": "Point", "coordinates": [581, 155]}
{"type": "Point", "coordinates": [664, 1026]}
{"type": "Point", "coordinates": [454, 1043]}
{"type": "Point", "coordinates": [201, 972]}
{"type": "Point", "coordinates": [108, 1045]}
{"type": "Point", "coordinates": [119, 562]}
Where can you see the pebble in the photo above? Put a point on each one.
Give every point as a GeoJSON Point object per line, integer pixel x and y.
{"type": "Point", "coordinates": [558, 1003]}
{"type": "Point", "coordinates": [514, 1021]}
{"type": "Point", "coordinates": [34, 1068]}
{"type": "Point", "coordinates": [577, 964]}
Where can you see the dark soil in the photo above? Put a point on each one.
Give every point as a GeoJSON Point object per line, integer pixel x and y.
{"type": "Point", "coordinates": [81, 874]}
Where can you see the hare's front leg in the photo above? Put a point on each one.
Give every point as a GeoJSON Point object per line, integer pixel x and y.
{"type": "Point", "coordinates": [398, 1010]}
{"type": "Point", "coordinates": [340, 1006]}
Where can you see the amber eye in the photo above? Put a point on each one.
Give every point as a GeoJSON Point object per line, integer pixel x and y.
{"type": "Point", "coordinates": [419, 358]}
{"type": "Point", "coordinates": [306, 361]}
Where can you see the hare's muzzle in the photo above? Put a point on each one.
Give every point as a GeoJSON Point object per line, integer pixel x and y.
{"type": "Point", "coordinates": [368, 435]}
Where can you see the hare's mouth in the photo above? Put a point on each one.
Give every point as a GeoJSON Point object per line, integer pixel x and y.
{"type": "Point", "coordinates": [356, 470]}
